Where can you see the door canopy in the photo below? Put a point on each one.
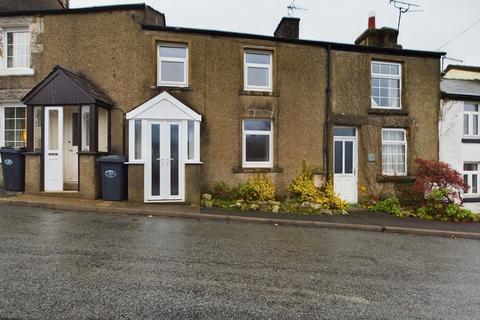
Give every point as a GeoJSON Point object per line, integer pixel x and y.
{"type": "Point", "coordinates": [164, 107]}
{"type": "Point", "coordinates": [62, 87]}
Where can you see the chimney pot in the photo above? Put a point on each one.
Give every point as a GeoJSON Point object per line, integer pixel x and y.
{"type": "Point", "coordinates": [371, 20]}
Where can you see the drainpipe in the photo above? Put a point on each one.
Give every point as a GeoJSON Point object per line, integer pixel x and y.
{"type": "Point", "coordinates": [328, 112]}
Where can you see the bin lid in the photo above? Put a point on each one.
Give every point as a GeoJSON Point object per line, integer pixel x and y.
{"type": "Point", "coordinates": [12, 150]}
{"type": "Point", "coordinates": [113, 158]}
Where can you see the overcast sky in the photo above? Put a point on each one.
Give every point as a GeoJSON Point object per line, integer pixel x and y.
{"type": "Point", "coordinates": [332, 20]}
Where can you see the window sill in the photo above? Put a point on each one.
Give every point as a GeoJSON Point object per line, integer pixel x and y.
{"type": "Point", "coordinates": [193, 162]}
{"type": "Point", "coordinates": [17, 72]}
{"type": "Point", "coordinates": [33, 153]}
{"type": "Point", "coordinates": [385, 111]}
{"type": "Point", "coordinates": [471, 199]}
{"type": "Point", "coordinates": [470, 140]}
{"type": "Point", "coordinates": [246, 92]}
{"type": "Point", "coordinates": [257, 170]}
{"type": "Point", "coordinates": [92, 153]}
{"type": "Point", "coordinates": [399, 179]}
{"type": "Point", "coordinates": [161, 87]}
{"type": "Point", "coordinates": [134, 162]}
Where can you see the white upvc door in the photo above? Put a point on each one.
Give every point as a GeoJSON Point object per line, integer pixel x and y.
{"type": "Point", "coordinates": [165, 164]}
{"type": "Point", "coordinates": [53, 175]}
{"type": "Point", "coordinates": [345, 163]}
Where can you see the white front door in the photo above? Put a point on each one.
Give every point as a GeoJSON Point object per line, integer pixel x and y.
{"type": "Point", "coordinates": [345, 163]}
{"type": "Point", "coordinates": [71, 145]}
{"type": "Point", "coordinates": [53, 161]}
{"type": "Point", "coordinates": [165, 165]}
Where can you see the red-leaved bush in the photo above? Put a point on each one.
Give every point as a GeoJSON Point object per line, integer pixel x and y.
{"type": "Point", "coordinates": [432, 174]}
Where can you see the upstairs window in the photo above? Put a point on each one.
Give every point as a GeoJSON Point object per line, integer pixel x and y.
{"type": "Point", "coordinates": [16, 52]}
{"type": "Point", "coordinates": [470, 120]}
{"type": "Point", "coordinates": [386, 85]}
{"type": "Point", "coordinates": [172, 65]}
{"type": "Point", "coordinates": [394, 152]}
{"type": "Point", "coordinates": [257, 144]}
{"type": "Point", "coordinates": [258, 71]}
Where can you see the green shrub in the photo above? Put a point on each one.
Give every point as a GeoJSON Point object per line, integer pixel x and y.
{"type": "Point", "coordinates": [330, 199]}
{"type": "Point", "coordinates": [389, 205]}
{"type": "Point", "coordinates": [222, 191]}
{"type": "Point", "coordinates": [439, 206]}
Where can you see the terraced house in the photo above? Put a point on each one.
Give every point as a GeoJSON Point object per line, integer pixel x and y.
{"type": "Point", "coordinates": [194, 107]}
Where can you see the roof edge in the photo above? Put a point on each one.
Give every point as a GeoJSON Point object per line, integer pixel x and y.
{"type": "Point", "coordinates": [333, 45]}
{"type": "Point", "coordinates": [119, 7]}
{"type": "Point", "coordinates": [462, 97]}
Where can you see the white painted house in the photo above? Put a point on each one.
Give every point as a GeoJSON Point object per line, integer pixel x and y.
{"type": "Point", "coordinates": [459, 125]}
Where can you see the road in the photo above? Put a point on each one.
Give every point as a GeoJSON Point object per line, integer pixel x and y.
{"type": "Point", "coordinates": [67, 265]}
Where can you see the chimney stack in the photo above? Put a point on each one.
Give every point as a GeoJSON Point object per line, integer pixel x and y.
{"type": "Point", "coordinates": [288, 28]}
{"type": "Point", "coordinates": [373, 37]}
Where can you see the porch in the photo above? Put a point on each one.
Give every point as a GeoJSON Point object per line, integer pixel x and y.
{"type": "Point", "coordinates": [68, 128]}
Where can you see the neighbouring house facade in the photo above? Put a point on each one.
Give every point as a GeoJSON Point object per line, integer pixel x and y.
{"type": "Point", "coordinates": [195, 107]}
{"type": "Point", "coordinates": [459, 133]}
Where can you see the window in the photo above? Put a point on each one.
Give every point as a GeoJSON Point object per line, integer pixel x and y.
{"type": "Point", "coordinates": [37, 128]}
{"type": "Point", "coordinates": [172, 65]}
{"type": "Point", "coordinates": [137, 140]}
{"type": "Point", "coordinates": [257, 143]}
{"type": "Point", "coordinates": [470, 177]}
{"type": "Point", "coordinates": [16, 48]}
{"type": "Point", "coordinates": [85, 128]}
{"type": "Point", "coordinates": [386, 85]}
{"type": "Point", "coordinates": [258, 71]}
{"type": "Point", "coordinates": [394, 152]}
{"type": "Point", "coordinates": [470, 120]}
{"type": "Point", "coordinates": [102, 130]}
{"type": "Point", "coordinates": [14, 124]}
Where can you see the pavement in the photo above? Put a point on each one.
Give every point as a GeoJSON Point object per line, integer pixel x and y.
{"type": "Point", "coordinates": [358, 219]}
{"type": "Point", "coordinates": [68, 265]}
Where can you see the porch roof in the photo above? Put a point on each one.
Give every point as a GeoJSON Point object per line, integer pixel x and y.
{"type": "Point", "coordinates": [62, 87]}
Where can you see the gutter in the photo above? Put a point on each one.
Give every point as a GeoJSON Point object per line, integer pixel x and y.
{"type": "Point", "coordinates": [334, 45]}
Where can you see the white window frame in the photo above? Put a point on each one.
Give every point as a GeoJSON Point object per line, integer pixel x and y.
{"type": "Point", "coordinates": [470, 115]}
{"type": "Point", "coordinates": [2, 118]}
{"type": "Point", "coordinates": [269, 67]}
{"type": "Point", "coordinates": [196, 142]}
{"type": "Point", "coordinates": [387, 76]}
{"type": "Point", "coordinates": [257, 164]}
{"type": "Point", "coordinates": [131, 141]}
{"type": "Point", "coordinates": [5, 70]}
{"type": "Point", "coordinates": [395, 142]}
{"type": "Point", "coordinates": [469, 174]}
{"type": "Point", "coordinates": [171, 59]}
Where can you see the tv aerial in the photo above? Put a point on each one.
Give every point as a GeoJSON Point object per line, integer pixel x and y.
{"type": "Point", "coordinates": [292, 7]}
{"type": "Point", "coordinates": [404, 7]}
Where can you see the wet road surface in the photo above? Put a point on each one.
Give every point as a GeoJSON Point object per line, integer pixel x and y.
{"type": "Point", "coordinates": [66, 265]}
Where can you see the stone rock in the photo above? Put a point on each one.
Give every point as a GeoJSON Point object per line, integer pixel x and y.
{"type": "Point", "coordinates": [238, 204]}
{"type": "Point", "coordinates": [316, 206]}
{"type": "Point", "coordinates": [305, 204]}
{"type": "Point", "coordinates": [273, 202]}
{"type": "Point", "coordinates": [254, 206]}
{"type": "Point", "coordinates": [262, 202]}
{"type": "Point", "coordinates": [240, 201]}
{"type": "Point", "coordinates": [326, 212]}
{"type": "Point", "coordinates": [264, 207]}
{"type": "Point", "coordinates": [275, 208]}
{"type": "Point", "coordinates": [207, 203]}
{"type": "Point", "coordinates": [206, 196]}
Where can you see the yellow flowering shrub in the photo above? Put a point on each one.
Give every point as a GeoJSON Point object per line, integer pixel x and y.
{"type": "Point", "coordinates": [303, 189]}
{"type": "Point", "coordinates": [258, 188]}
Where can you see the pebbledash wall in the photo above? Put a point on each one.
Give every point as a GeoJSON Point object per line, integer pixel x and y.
{"type": "Point", "coordinates": [117, 50]}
